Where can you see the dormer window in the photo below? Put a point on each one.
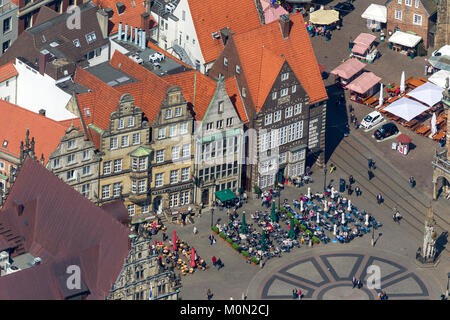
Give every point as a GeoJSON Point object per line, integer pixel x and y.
{"type": "Point", "coordinates": [243, 92]}
{"type": "Point", "coordinates": [5, 143]}
{"type": "Point", "coordinates": [225, 61]}
{"type": "Point", "coordinates": [90, 37]}
{"type": "Point", "coordinates": [76, 43]}
{"type": "Point", "coordinates": [238, 69]}
{"type": "Point", "coordinates": [220, 106]}
{"type": "Point", "coordinates": [285, 76]}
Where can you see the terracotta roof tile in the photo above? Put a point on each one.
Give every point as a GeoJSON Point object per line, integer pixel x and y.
{"type": "Point", "coordinates": [7, 71]}
{"type": "Point", "coordinates": [235, 97]}
{"type": "Point", "coordinates": [297, 51]}
{"type": "Point", "coordinates": [204, 86]}
{"type": "Point", "coordinates": [67, 123]}
{"type": "Point", "coordinates": [211, 16]}
{"type": "Point", "coordinates": [14, 122]}
{"type": "Point", "coordinates": [131, 15]}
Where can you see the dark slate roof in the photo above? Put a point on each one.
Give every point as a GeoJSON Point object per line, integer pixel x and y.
{"type": "Point", "coordinates": [63, 228]}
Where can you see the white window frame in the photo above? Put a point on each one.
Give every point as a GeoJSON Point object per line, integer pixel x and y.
{"type": "Point", "coordinates": [284, 76]}
{"type": "Point", "coordinates": [178, 111]}
{"type": "Point", "coordinates": [399, 1]}
{"type": "Point", "coordinates": [86, 155]}
{"type": "Point", "coordinates": [219, 124]}
{"type": "Point", "coordinates": [131, 209]}
{"type": "Point", "coordinates": [71, 144]}
{"type": "Point", "coordinates": [121, 124]}
{"type": "Point", "coordinates": [117, 165]}
{"type": "Point", "coordinates": [225, 61]}
{"type": "Point", "coordinates": [114, 143]}
{"type": "Point", "coordinates": [106, 192]}
{"type": "Point", "coordinates": [168, 114]}
{"type": "Point", "coordinates": [124, 141]}
{"type": "Point", "coordinates": [414, 19]}
{"type": "Point", "coordinates": [159, 179]}
{"type": "Point", "coordinates": [186, 150]}
{"type": "Point", "coordinates": [416, 3]}
{"type": "Point", "coordinates": [85, 192]}
{"type": "Point", "coordinates": [142, 186]}
{"type": "Point", "coordinates": [160, 156]}
{"type": "Point", "coordinates": [86, 170]}
{"type": "Point", "coordinates": [107, 167]}
{"type": "Point", "coordinates": [288, 112]}
{"type": "Point", "coordinates": [56, 163]}
{"type": "Point", "coordinates": [175, 154]}
{"type": "Point", "coordinates": [173, 131]}
{"type": "Point", "coordinates": [161, 133]}
{"type": "Point", "coordinates": [136, 138]}
{"type": "Point", "coordinates": [274, 95]}
{"type": "Point", "coordinates": [131, 122]}
{"type": "Point", "coordinates": [398, 15]}
{"type": "Point", "coordinates": [142, 163]}
{"type": "Point", "coordinates": [268, 119]}
{"type": "Point", "coordinates": [238, 69]}
{"type": "Point", "coordinates": [71, 159]}
{"type": "Point", "coordinates": [185, 174]}
{"type": "Point", "coordinates": [183, 128]}
{"type": "Point", "coordinates": [117, 189]}
{"type": "Point", "coordinates": [145, 207]}
{"type": "Point", "coordinates": [277, 116]}
{"type": "Point", "coordinates": [284, 92]}
{"type": "Point", "coordinates": [297, 108]}
{"type": "Point", "coordinates": [174, 176]}
{"type": "Point", "coordinates": [408, 3]}
{"type": "Point", "coordinates": [294, 88]}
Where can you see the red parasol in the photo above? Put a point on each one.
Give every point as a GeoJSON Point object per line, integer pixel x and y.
{"type": "Point", "coordinates": [193, 257]}
{"type": "Point", "coordinates": [174, 240]}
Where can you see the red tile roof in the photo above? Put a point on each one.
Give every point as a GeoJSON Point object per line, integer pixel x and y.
{"type": "Point", "coordinates": [14, 122]}
{"type": "Point", "coordinates": [203, 86]}
{"type": "Point", "coordinates": [258, 48]}
{"type": "Point", "coordinates": [149, 92]}
{"type": "Point", "coordinates": [235, 97]}
{"type": "Point", "coordinates": [67, 123]}
{"type": "Point", "coordinates": [7, 71]}
{"type": "Point", "coordinates": [211, 16]}
{"type": "Point", "coordinates": [62, 227]}
{"type": "Point", "coordinates": [131, 15]}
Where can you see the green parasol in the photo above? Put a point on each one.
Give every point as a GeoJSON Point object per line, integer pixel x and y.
{"type": "Point", "coordinates": [291, 233]}
{"type": "Point", "coordinates": [244, 226]}
{"type": "Point", "coordinates": [273, 215]}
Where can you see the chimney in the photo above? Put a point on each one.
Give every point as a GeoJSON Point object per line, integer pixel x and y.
{"type": "Point", "coordinates": [145, 19]}
{"type": "Point", "coordinates": [119, 35]}
{"type": "Point", "coordinates": [120, 7]}
{"type": "Point", "coordinates": [42, 112]}
{"type": "Point", "coordinates": [19, 207]}
{"type": "Point", "coordinates": [285, 25]}
{"type": "Point", "coordinates": [136, 36]}
{"type": "Point", "coordinates": [144, 40]}
{"type": "Point", "coordinates": [43, 59]}
{"type": "Point", "coordinates": [102, 18]}
{"type": "Point", "coordinates": [109, 12]}
{"type": "Point", "coordinates": [126, 33]}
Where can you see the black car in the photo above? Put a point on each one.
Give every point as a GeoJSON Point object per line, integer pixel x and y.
{"type": "Point", "coordinates": [344, 8]}
{"type": "Point", "coordinates": [385, 131]}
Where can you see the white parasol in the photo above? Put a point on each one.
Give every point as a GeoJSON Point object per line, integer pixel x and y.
{"type": "Point", "coordinates": [402, 82]}
{"type": "Point", "coordinates": [433, 125]}
{"type": "Point", "coordinates": [380, 100]}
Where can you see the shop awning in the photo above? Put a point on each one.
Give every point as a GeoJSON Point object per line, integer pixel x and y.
{"type": "Point", "coordinates": [441, 62]}
{"type": "Point", "coordinates": [405, 39]}
{"type": "Point", "coordinates": [364, 82]}
{"type": "Point", "coordinates": [375, 12]}
{"type": "Point", "coordinates": [365, 39]}
{"type": "Point", "coordinates": [349, 68]}
{"type": "Point", "coordinates": [360, 49]}
{"type": "Point", "coordinates": [439, 78]}
{"type": "Point", "coordinates": [428, 93]}
{"type": "Point", "coordinates": [324, 17]}
{"type": "Point", "coordinates": [406, 108]}
{"type": "Point", "coordinates": [225, 195]}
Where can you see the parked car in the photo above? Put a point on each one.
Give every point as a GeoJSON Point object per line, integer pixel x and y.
{"type": "Point", "coordinates": [372, 119]}
{"type": "Point", "coordinates": [386, 130]}
{"type": "Point", "coordinates": [344, 8]}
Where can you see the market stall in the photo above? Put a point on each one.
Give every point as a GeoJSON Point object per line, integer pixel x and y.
{"type": "Point", "coordinates": [403, 144]}
{"type": "Point", "coordinates": [324, 17]}
{"type": "Point", "coordinates": [363, 86]}
{"type": "Point", "coordinates": [405, 43]}
{"type": "Point", "coordinates": [406, 108]}
{"type": "Point", "coordinates": [348, 71]}
{"type": "Point", "coordinates": [364, 47]}
{"type": "Point", "coordinates": [376, 15]}
{"type": "Point", "coordinates": [428, 93]}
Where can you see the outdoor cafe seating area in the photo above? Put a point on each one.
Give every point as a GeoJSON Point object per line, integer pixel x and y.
{"type": "Point", "coordinates": [414, 108]}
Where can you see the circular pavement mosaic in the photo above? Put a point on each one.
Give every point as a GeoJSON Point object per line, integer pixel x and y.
{"type": "Point", "coordinates": [329, 276]}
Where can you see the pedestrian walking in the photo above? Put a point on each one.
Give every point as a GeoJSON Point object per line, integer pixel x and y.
{"type": "Point", "coordinates": [211, 239]}
{"type": "Point", "coordinates": [351, 180]}
{"type": "Point", "coordinates": [349, 190]}
{"type": "Point", "coordinates": [357, 191]}
{"type": "Point", "coordinates": [369, 163]}
{"type": "Point", "coordinates": [195, 230]}
{"type": "Point", "coordinates": [332, 168]}
{"type": "Point", "coordinates": [370, 174]}
{"type": "Point", "coordinates": [379, 198]}
{"type": "Point", "coordinates": [354, 282]}
{"type": "Point", "coordinates": [209, 294]}
{"type": "Point", "coordinates": [294, 294]}
{"type": "Point", "coordinates": [359, 283]}
{"type": "Point", "coordinates": [412, 182]}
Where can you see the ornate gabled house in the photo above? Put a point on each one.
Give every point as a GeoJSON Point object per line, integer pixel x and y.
{"type": "Point", "coordinates": [142, 276]}
{"type": "Point", "coordinates": [125, 166]}
{"type": "Point", "coordinates": [441, 161]}
{"type": "Point", "coordinates": [172, 165]}
{"type": "Point", "coordinates": [77, 162]}
{"type": "Point", "coordinates": [279, 82]}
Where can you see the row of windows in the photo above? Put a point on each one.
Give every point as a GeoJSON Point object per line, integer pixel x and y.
{"type": "Point", "coordinates": [73, 174]}
{"type": "Point", "coordinates": [132, 208]}
{"type": "Point", "coordinates": [169, 114]}
{"type": "Point", "coordinates": [417, 18]}
{"type": "Point", "coordinates": [179, 199]}
{"type": "Point", "coordinates": [409, 3]}
{"type": "Point", "coordinates": [281, 136]}
{"type": "Point", "coordinates": [219, 148]}
{"type": "Point", "coordinates": [125, 141]}
{"type": "Point", "coordinates": [219, 124]}
{"type": "Point", "coordinates": [173, 130]}
{"type": "Point", "coordinates": [216, 172]}
{"type": "Point", "coordinates": [229, 185]}
{"type": "Point", "coordinates": [174, 176]}
{"type": "Point", "coordinates": [284, 92]}
{"type": "Point", "coordinates": [139, 186]}
{"type": "Point", "coordinates": [71, 159]}
{"type": "Point", "coordinates": [121, 123]}
{"type": "Point", "coordinates": [288, 112]}
{"type": "Point", "coordinates": [175, 153]}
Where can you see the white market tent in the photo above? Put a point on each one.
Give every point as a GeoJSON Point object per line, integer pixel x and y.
{"type": "Point", "coordinates": [439, 78]}
{"type": "Point", "coordinates": [405, 39]}
{"type": "Point", "coordinates": [428, 93]}
{"type": "Point", "coordinates": [375, 12]}
{"type": "Point", "coordinates": [406, 108]}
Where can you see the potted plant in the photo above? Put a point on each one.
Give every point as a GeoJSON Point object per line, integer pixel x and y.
{"type": "Point", "coordinates": [215, 229]}
{"type": "Point", "coordinates": [229, 241]}
{"type": "Point", "coordinates": [308, 232]}
{"type": "Point", "coordinates": [315, 239]}
{"type": "Point", "coordinates": [222, 235]}
{"type": "Point", "coordinates": [254, 261]}
{"type": "Point", "coordinates": [303, 227]}
{"type": "Point", "coordinates": [235, 246]}
{"type": "Point", "coordinates": [245, 254]}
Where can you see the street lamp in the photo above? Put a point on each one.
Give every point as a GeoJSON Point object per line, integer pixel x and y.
{"type": "Point", "coordinates": [325, 178]}
{"type": "Point", "coordinates": [212, 216]}
{"type": "Point", "coordinates": [448, 280]}
{"type": "Point", "coordinates": [373, 236]}
{"type": "Point", "coordinates": [279, 192]}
